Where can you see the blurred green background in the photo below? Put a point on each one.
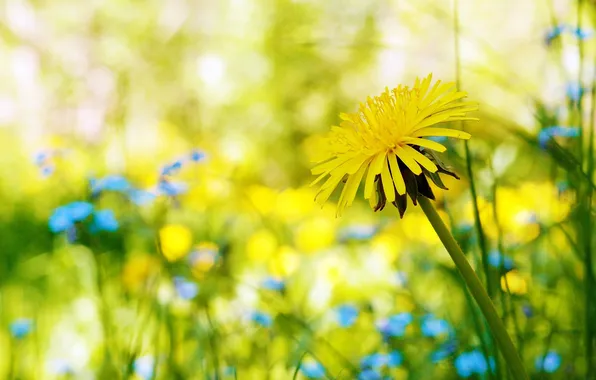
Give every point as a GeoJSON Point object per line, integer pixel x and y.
{"type": "Point", "coordinates": [155, 215]}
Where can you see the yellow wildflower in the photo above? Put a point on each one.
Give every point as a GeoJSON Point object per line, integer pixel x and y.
{"type": "Point", "coordinates": [175, 241]}
{"type": "Point", "coordinates": [386, 136]}
{"type": "Point", "coordinates": [261, 245]}
{"type": "Point", "coordinates": [203, 258]}
{"type": "Point", "coordinates": [515, 282]}
{"type": "Point", "coordinates": [137, 270]}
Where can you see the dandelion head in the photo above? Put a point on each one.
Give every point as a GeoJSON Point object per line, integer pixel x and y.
{"type": "Point", "coordinates": [175, 241]}
{"type": "Point", "coordinates": [385, 144]}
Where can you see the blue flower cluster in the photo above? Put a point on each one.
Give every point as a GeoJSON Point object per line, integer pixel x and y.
{"type": "Point", "coordinates": [273, 283]}
{"type": "Point", "coordinates": [64, 218]}
{"type": "Point", "coordinates": [143, 367]}
{"type": "Point", "coordinates": [119, 184]}
{"type": "Point", "coordinates": [556, 31]}
{"type": "Point", "coordinates": [373, 365]}
{"type": "Point", "coordinates": [187, 290]}
{"type": "Point", "coordinates": [169, 187]}
{"type": "Point", "coordinates": [357, 232]}
{"type": "Point", "coordinates": [546, 134]}
{"type": "Point", "coordinates": [346, 315]}
{"type": "Point", "coordinates": [312, 369]}
{"type": "Point", "coordinates": [548, 363]}
{"type": "Point", "coordinates": [433, 327]}
{"type": "Point", "coordinates": [20, 328]}
{"type": "Point", "coordinates": [473, 362]}
{"type": "Point", "coordinates": [261, 319]}
{"type": "Point", "coordinates": [377, 361]}
{"type": "Point", "coordinates": [496, 259]}
{"type": "Point", "coordinates": [44, 160]}
{"type": "Point", "coordinates": [446, 349]}
{"type": "Point", "coordinates": [395, 325]}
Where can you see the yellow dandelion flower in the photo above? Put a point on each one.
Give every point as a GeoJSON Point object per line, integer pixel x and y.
{"type": "Point", "coordinates": [514, 282]}
{"type": "Point", "coordinates": [175, 240]}
{"type": "Point", "coordinates": [137, 270]}
{"type": "Point", "coordinates": [204, 256]}
{"type": "Point", "coordinates": [387, 137]}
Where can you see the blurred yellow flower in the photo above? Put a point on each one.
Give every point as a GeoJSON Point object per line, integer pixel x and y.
{"type": "Point", "coordinates": [517, 283]}
{"type": "Point", "coordinates": [137, 270]}
{"type": "Point", "coordinates": [404, 303]}
{"type": "Point", "coordinates": [294, 204]}
{"type": "Point", "coordinates": [386, 138]}
{"type": "Point", "coordinates": [262, 198]}
{"type": "Point", "coordinates": [285, 262]}
{"type": "Point", "coordinates": [203, 258]}
{"type": "Point", "coordinates": [261, 245]}
{"type": "Point", "coordinates": [315, 234]}
{"type": "Point", "coordinates": [175, 240]}
{"type": "Point", "coordinates": [520, 211]}
{"type": "Point", "coordinates": [417, 228]}
{"type": "Point", "coordinates": [388, 245]}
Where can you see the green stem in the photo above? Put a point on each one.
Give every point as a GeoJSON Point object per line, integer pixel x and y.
{"type": "Point", "coordinates": [508, 350]}
{"type": "Point", "coordinates": [104, 314]}
{"type": "Point", "coordinates": [213, 342]}
{"type": "Point", "coordinates": [588, 236]}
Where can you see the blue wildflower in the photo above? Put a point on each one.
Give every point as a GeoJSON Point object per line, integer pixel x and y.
{"type": "Point", "coordinates": [528, 311]}
{"type": "Point", "coordinates": [548, 133]}
{"type": "Point", "coordinates": [79, 211]}
{"type": "Point", "coordinates": [230, 371]}
{"type": "Point", "coordinates": [186, 290]}
{"type": "Point", "coordinates": [346, 315]}
{"type": "Point", "coordinates": [312, 369]}
{"type": "Point", "coordinates": [395, 325]}
{"type": "Point", "coordinates": [357, 232]}
{"type": "Point", "coordinates": [204, 256]}
{"type": "Point", "coordinates": [172, 168]}
{"type": "Point", "coordinates": [574, 91]}
{"type": "Point", "coordinates": [59, 367]}
{"type": "Point", "coordinates": [41, 158]}
{"type": "Point", "coordinates": [554, 32]}
{"type": "Point", "coordinates": [47, 170]}
{"type": "Point", "coordinates": [473, 362]}
{"type": "Point", "coordinates": [369, 374]}
{"type": "Point", "coordinates": [171, 188]}
{"type": "Point", "coordinates": [66, 216]}
{"type": "Point", "coordinates": [104, 220]}
{"type": "Point", "coordinates": [438, 355]}
{"type": "Point", "coordinates": [400, 279]}
{"type": "Point", "coordinates": [444, 351]}
{"type": "Point", "coordinates": [394, 359]}
{"type": "Point", "coordinates": [272, 283]}
{"type": "Point", "coordinates": [197, 155]}
{"type": "Point", "coordinates": [60, 220]}
{"type": "Point", "coordinates": [71, 234]}
{"type": "Point", "coordinates": [562, 186]}
{"type": "Point", "coordinates": [465, 232]}
{"type": "Point", "coordinates": [140, 197]}
{"type": "Point", "coordinates": [548, 363]}
{"type": "Point", "coordinates": [109, 183]}
{"type": "Point", "coordinates": [581, 33]}
{"type": "Point", "coordinates": [377, 361]}
{"type": "Point", "coordinates": [43, 161]}
{"type": "Point", "coordinates": [262, 319]}
{"type": "Point", "coordinates": [434, 327]}
{"type": "Point", "coordinates": [21, 327]}
{"type": "Point", "coordinates": [143, 367]}
{"type": "Point", "coordinates": [495, 259]}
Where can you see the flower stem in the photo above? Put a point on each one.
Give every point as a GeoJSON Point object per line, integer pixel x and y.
{"type": "Point", "coordinates": [508, 350]}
